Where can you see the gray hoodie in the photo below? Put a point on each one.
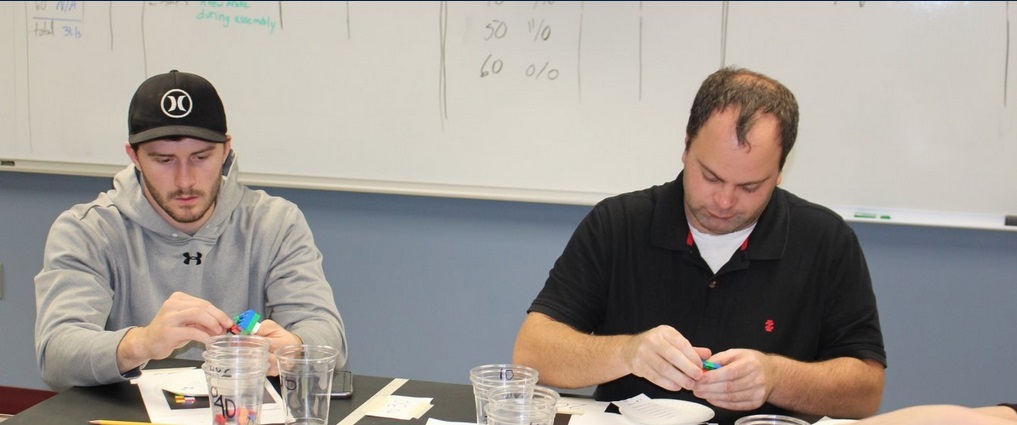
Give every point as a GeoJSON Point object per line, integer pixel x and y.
{"type": "Point", "coordinates": [111, 263]}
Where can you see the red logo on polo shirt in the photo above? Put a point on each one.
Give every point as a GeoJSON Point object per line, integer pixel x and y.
{"type": "Point", "coordinates": [768, 326]}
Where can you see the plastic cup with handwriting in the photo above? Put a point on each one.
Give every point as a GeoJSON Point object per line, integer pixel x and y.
{"type": "Point", "coordinates": [522, 394]}
{"type": "Point", "coordinates": [521, 398]}
{"type": "Point", "coordinates": [235, 368]}
{"type": "Point", "coordinates": [305, 376]}
{"type": "Point", "coordinates": [235, 394]}
{"type": "Point", "coordinates": [230, 341]}
{"type": "Point", "coordinates": [237, 352]}
{"type": "Point", "coordinates": [515, 413]}
{"type": "Point", "coordinates": [487, 378]}
{"type": "Point", "coordinates": [770, 420]}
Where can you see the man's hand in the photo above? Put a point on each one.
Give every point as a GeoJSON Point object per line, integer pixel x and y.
{"type": "Point", "coordinates": [843, 387]}
{"type": "Point", "coordinates": [181, 319]}
{"type": "Point", "coordinates": [744, 382]}
{"type": "Point", "coordinates": [278, 337]}
{"type": "Point", "coordinates": [663, 356]}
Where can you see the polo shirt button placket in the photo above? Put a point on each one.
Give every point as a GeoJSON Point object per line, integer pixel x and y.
{"type": "Point", "coordinates": [713, 284]}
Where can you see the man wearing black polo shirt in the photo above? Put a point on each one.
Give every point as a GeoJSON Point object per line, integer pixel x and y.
{"type": "Point", "coordinates": [719, 265]}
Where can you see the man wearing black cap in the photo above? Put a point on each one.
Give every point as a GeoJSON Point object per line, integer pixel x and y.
{"type": "Point", "coordinates": [161, 262]}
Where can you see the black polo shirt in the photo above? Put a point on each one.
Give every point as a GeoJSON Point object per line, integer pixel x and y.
{"type": "Point", "coordinates": [799, 287]}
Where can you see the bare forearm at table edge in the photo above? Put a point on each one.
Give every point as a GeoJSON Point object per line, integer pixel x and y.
{"type": "Point", "coordinates": [844, 387]}
{"type": "Point", "coordinates": [567, 358]}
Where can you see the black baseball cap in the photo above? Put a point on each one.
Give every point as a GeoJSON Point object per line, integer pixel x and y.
{"type": "Point", "coordinates": [176, 104]}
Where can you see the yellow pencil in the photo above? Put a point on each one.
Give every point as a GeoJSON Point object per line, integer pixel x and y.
{"type": "Point", "coordinates": [107, 422]}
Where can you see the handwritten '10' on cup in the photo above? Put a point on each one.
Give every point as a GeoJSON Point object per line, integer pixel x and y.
{"type": "Point", "coordinates": [305, 376]}
{"type": "Point", "coordinates": [235, 396]}
{"type": "Point", "coordinates": [489, 377]}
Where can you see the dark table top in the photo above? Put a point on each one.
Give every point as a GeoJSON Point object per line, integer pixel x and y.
{"type": "Point", "coordinates": [122, 401]}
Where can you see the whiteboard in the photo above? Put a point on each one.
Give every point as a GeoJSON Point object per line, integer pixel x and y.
{"type": "Point", "coordinates": [8, 85]}
{"type": "Point", "coordinates": [905, 106]}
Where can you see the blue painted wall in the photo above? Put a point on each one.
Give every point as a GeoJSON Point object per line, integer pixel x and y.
{"type": "Point", "coordinates": [430, 287]}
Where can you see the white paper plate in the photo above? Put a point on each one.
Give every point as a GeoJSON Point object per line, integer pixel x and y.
{"type": "Point", "coordinates": [187, 383]}
{"type": "Point", "coordinates": [674, 412]}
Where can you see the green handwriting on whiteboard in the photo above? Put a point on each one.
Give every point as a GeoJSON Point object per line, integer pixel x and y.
{"type": "Point", "coordinates": [237, 14]}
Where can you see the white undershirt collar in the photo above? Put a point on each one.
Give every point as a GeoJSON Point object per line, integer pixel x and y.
{"type": "Point", "coordinates": [718, 249]}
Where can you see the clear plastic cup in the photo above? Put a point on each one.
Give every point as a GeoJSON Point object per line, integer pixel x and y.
{"type": "Point", "coordinates": [234, 395]}
{"type": "Point", "coordinates": [487, 378]}
{"type": "Point", "coordinates": [235, 368]}
{"type": "Point", "coordinates": [237, 352]}
{"type": "Point", "coordinates": [238, 361]}
{"type": "Point", "coordinates": [233, 341]}
{"type": "Point", "coordinates": [770, 420]}
{"type": "Point", "coordinates": [518, 413]}
{"type": "Point", "coordinates": [521, 394]}
{"type": "Point", "coordinates": [305, 376]}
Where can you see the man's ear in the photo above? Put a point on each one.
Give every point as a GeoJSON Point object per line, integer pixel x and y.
{"type": "Point", "coordinates": [686, 150]}
{"type": "Point", "coordinates": [131, 153]}
{"type": "Point", "coordinates": [228, 146]}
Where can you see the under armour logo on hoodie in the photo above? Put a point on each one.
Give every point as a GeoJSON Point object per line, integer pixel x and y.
{"type": "Point", "coordinates": [196, 258]}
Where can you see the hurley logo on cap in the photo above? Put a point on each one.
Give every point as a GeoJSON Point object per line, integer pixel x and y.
{"type": "Point", "coordinates": [174, 105]}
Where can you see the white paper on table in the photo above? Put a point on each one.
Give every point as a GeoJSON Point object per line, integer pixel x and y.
{"type": "Point", "coordinates": [400, 407]}
{"type": "Point", "coordinates": [600, 418]}
{"type": "Point", "coordinates": [433, 421]}
{"type": "Point", "coordinates": [578, 406]}
{"type": "Point", "coordinates": [642, 409]}
{"type": "Point", "coordinates": [152, 382]}
{"type": "Point", "coordinates": [644, 405]}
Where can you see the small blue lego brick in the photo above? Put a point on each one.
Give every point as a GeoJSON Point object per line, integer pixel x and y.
{"type": "Point", "coordinates": [246, 323]}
